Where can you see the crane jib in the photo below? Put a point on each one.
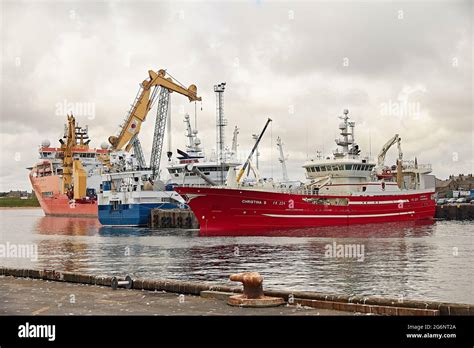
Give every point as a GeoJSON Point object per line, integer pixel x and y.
{"type": "Point", "coordinates": [253, 150]}
{"type": "Point", "coordinates": [142, 104]}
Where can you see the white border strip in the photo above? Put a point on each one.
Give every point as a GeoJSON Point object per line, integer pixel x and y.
{"type": "Point", "coordinates": [379, 202]}
{"type": "Point", "coordinates": [338, 216]}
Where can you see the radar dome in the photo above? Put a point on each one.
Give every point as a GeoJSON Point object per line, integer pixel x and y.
{"type": "Point", "coordinates": [45, 143]}
{"type": "Point", "coordinates": [104, 146]}
{"type": "Point", "coordinates": [342, 125]}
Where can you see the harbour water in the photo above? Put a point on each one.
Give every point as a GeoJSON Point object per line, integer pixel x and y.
{"type": "Point", "coordinates": [432, 261]}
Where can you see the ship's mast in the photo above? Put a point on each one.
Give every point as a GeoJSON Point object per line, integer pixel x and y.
{"type": "Point", "coordinates": [221, 122]}
{"type": "Point", "coordinates": [189, 131]}
{"type": "Point", "coordinates": [191, 134]}
{"type": "Point", "coordinates": [282, 159]}
{"type": "Point", "coordinates": [347, 133]}
{"type": "Point", "coordinates": [344, 127]}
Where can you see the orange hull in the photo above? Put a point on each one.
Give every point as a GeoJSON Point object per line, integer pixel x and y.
{"type": "Point", "coordinates": [54, 203]}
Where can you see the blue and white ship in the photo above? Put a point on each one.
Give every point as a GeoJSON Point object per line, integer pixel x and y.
{"type": "Point", "coordinates": [127, 198]}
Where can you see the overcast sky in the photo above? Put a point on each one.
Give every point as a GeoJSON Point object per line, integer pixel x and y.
{"type": "Point", "coordinates": [399, 67]}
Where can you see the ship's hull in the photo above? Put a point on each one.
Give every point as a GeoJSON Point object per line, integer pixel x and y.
{"type": "Point", "coordinates": [242, 212]}
{"type": "Point", "coordinates": [55, 203]}
{"type": "Point", "coordinates": [129, 214]}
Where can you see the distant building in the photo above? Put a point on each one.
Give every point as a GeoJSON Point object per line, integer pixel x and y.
{"type": "Point", "coordinates": [461, 182]}
{"type": "Point", "coordinates": [17, 194]}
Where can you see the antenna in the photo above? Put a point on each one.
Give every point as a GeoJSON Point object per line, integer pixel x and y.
{"type": "Point", "coordinates": [271, 148]}
{"type": "Point", "coordinates": [168, 130]}
{"type": "Point", "coordinates": [234, 141]}
{"type": "Point", "coordinates": [195, 115]}
{"type": "Point", "coordinates": [370, 145]}
{"type": "Point", "coordinates": [307, 140]}
{"type": "Point", "coordinates": [282, 159]}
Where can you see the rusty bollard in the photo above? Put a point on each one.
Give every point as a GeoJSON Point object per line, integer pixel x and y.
{"type": "Point", "coordinates": [253, 295]}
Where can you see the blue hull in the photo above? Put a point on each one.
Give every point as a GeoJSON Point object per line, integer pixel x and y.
{"type": "Point", "coordinates": [130, 214]}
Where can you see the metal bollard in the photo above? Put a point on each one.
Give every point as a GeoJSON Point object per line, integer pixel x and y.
{"type": "Point", "coordinates": [127, 283]}
{"type": "Point", "coordinates": [252, 282]}
{"type": "Point", "coordinates": [253, 295]}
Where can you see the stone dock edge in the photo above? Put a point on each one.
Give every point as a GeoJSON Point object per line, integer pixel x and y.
{"type": "Point", "coordinates": [363, 304]}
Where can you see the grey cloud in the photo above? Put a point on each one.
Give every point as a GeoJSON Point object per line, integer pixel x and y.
{"type": "Point", "coordinates": [279, 59]}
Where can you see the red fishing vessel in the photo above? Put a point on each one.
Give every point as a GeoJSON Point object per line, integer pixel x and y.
{"type": "Point", "coordinates": [342, 189]}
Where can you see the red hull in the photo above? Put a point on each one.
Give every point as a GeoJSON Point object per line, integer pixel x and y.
{"type": "Point", "coordinates": [56, 204]}
{"type": "Point", "coordinates": [243, 212]}
{"type": "Point", "coordinates": [59, 205]}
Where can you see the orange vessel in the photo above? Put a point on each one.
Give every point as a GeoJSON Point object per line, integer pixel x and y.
{"type": "Point", "coordinates": [67, 179]}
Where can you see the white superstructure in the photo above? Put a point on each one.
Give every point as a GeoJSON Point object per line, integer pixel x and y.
{"type": "Point", "coordinates": [181, 170]}
{"type": "Point", "coordinates": [134, 187]}
{"type": "Point", "coordinates": [52, 158]}
{"type": "Point", "coordinates": [347, 171]}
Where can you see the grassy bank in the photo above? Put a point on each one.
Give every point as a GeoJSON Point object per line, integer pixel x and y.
{"type": "Point", "coordinates": [8, 202]}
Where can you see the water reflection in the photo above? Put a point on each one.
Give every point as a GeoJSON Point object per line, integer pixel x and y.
{"type": "Point", "coordinates": [118, 231]}
{"type": "Point", "coordinates": [413, 260]}
{"type": "Point", "coordinates": [390, 230]}
{"type": "Point", "coordinates": [72, 226]}
{"type": "Point", "coordinates": [91, 226]}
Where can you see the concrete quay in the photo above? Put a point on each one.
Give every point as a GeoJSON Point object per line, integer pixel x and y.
{"type": "Point", "coordinates": [164, 297]}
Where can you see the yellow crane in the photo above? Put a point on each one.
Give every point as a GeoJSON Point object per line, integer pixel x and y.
{"type": "Point", "coordinates": [74, 176]}
{"type": "Point", "coordinates": [66, 147]}
{"type": "Point", "coordinates": [144, 102]}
